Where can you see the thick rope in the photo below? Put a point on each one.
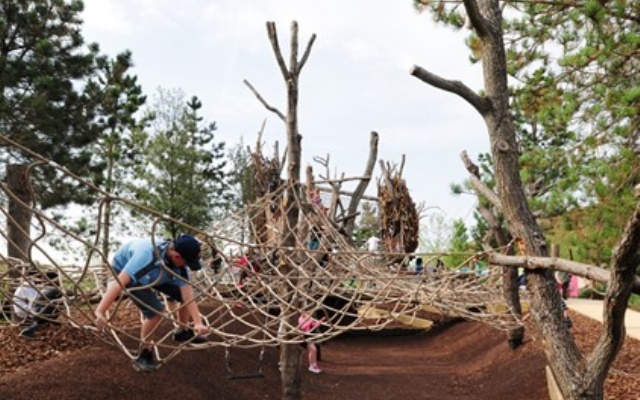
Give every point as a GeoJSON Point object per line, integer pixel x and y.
{"type": "Point", "coordinates": [353, 289]}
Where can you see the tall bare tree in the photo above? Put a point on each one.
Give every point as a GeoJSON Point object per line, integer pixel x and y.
{"type": "Point", "coordinates": [290, 354]}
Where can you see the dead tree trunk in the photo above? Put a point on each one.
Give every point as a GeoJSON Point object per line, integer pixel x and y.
{"type": "Point", "coordinates": [349, 224]}
{"type": "Point", "coordinates": [290, 354]}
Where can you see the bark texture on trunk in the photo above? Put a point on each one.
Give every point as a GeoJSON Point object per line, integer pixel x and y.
{"type": "Point", "coordinates": [19, 218]}
{"type": "Point", "coordinates": [562, 353]}
{"type": "Point", "coordinates": [290, 354]}
{"type": "Point", "coordinates": [291, 377]}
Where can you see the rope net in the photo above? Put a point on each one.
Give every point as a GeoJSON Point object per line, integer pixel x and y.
{"type": "Point", "coordinates": [252, 288]}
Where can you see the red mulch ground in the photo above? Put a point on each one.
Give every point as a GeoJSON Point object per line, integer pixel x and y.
{"type": "Point", "coordinates": [465, 361]}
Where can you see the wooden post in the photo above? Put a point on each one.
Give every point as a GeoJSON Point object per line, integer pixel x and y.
{"type": "Point", "coordinates": [552, 385]}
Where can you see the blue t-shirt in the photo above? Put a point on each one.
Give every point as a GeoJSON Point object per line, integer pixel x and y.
{"type": "Point", "coordinates": [139, 260]}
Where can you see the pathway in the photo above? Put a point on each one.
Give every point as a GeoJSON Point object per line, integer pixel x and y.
{"type": "Point", "coordinates": [593, 309]}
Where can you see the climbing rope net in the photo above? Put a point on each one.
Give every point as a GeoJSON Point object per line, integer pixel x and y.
{"type": "Point", "coordinates": [296, 261]}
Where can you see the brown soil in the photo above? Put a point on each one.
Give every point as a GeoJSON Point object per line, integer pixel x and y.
{"type": "Point", "coordinates": [465, 360]}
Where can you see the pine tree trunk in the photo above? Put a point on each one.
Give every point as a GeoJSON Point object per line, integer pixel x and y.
{"type": "Point", "coordinates": [106, 233]}
{"type": "Point", "coordinates": [577, 376]}
{"type": "Point", "coordinates": [19, 218]}
{"type": "Point", "coordinates": [564, 358]}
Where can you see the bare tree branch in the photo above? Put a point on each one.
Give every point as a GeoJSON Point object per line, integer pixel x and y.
{"type": "Point", "coordinates": [343, 179]}
{"type": "Point", "coordinates": [293, 56]}
{"type": "Point", "coordinates": [307, 51]}
{"type": "Point", "coordinates": [364, 183]}
{"type": "Point", "coordinates": [502, 237]}
{"type": "Point", "coordinates": [480, 103]}
{"type": "Point", "coordinates": [477, 184]}
{"type": "Point", "coordinates": [386, 174]}
{"type": "Point", "coordinates": [469, 165]}
{"type": "Point", "coordinates": [575, 268]}
{"type": "Point", "coordinates": [484, 191]}
{"type": "Point", "coordinates": [347, 193]}
{"type": "Point", "coordinates": [273, 38]}
{"type": "Point", "coordinates": [263, 101]}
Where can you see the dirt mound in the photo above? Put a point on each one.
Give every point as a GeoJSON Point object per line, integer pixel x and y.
{"type": "Point", "coordinates": [464, 361]}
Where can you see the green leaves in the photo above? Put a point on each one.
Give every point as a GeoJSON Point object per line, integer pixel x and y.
{"type": "Point", "coordinates": [45, 75]}
{"type": "Point", "coordinates": [184, 172]}
{"type": "Point", "coordinates": [448, 13]}
{"type": "Point", "coordinates": [574, 97]}
{"type": "Point", "coordinates": [632, 96]}
{"type": "Point", "coordinates": [594, 10]}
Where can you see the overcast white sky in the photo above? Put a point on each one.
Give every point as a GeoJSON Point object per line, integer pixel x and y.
{"type": "Point", "coordinates": [355, 81]}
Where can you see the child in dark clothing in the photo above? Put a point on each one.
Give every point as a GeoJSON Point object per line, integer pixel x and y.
{"type": "Point", "coordinates": [36, 306]}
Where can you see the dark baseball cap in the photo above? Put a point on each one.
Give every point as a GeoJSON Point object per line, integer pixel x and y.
{"type": "Point", "coordinates": [189, 248]}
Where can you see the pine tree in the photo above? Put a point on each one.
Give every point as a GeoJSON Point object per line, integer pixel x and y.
{"type": "Point", "coordinates": [45, 70]}
{"type": "Point", "coordinates": [241, 176]}
{"type": "Point", "coordinates": [184, 175]}
{"type": "Point", "coordinates": [459, 244]}
{"type": "Point", "coordinates": [577, 375]}
{"type": "Point", "coordinates": [573, 95]}
{"type": "Point", "coordinates": [51, 96]}
{"type": "Point", "coordinates": [577, 111]}
{"type": "Point", "coordinates": [116, 118]}
{"type": "Point", "coordinates": [368, 224]}
{"type": "Point", "coordinates": [118, 123]}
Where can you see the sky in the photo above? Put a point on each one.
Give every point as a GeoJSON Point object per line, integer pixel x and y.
{"type": "Point", "coordinates": [357, 80]}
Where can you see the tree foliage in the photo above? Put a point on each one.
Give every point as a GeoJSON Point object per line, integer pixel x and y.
{"type": "Point", "coordinates": [241, 176]}
{"type": "Point", "coordinates": [48, 103]}
{"type": "Point", "coordinates": [184, 174]}
{"type": "Point", "coordinates": [578, 115]}
{"type": "Point", "coordinates": [435, 233]}
{"type": "Point", "coordinates": [368, 224]}
{"type": "Point", "coordinates": [117, 119]}
{"type": "Point", "coordinates": [459, 244]}
{"type": "Point", "coordinates": [574, 101]}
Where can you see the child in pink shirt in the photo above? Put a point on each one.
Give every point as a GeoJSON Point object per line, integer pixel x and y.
{"type": "Point", "coordinates": [307, 324]}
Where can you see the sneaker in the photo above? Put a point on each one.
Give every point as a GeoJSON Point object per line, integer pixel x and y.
{"type": "Point", "coordinates": [27, 335]}
{"type": "Point", "coordinates": [145, 362]}
{"type": "Point", "coordinates": [189, 337]}
{"type": "Point", "coordinates": [568, 322]}
{"type": "Point", "coordinates": [315, 369]}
